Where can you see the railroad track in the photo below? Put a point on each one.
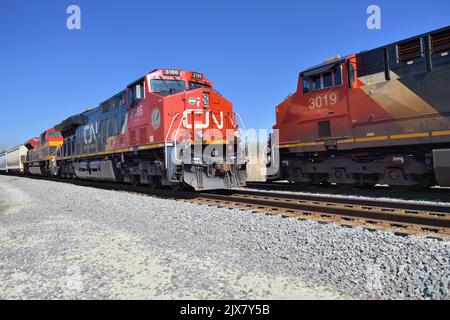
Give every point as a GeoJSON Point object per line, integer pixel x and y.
{"type": "Point", "coordinates": [430, 194]}
{"type": "Point", "coordinates": [402, 218]}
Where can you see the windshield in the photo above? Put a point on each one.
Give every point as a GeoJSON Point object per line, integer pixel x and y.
{"type": "Point", "coordinates": [167, 87]}
{"type": "Point", "coordinates": [195, 85]}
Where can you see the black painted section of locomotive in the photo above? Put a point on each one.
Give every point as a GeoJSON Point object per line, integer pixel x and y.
{"type": "Point", "coordinates": [89, 132]}
{"type": "Point", "coordinates": [428, 76]}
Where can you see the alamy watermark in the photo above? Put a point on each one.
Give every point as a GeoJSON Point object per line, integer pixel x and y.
{"type": "Point", "coordinates": [374, 276]}
{"type": "Point", "coordinates": [74, 279]}
{"type": "Point", "coordinates": [73, 21]}
{"type": "Point", "coordinates": [374, 20]}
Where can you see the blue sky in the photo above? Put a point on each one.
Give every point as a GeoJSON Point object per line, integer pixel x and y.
{"type": "Point", "coordinates": [251, 50]}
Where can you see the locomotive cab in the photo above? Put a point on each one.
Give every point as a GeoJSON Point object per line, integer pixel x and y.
{"type": "Point", "coordinates": [318, 111]}
{"type": "Point", "coordinates": [200, 145]}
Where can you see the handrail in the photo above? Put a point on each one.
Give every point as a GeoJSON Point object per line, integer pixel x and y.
{"type": "Point", "coordinates": [245, 134]}
{"type": "Point", "coordinates": [183, 118]}
{"type": "Point", "coordinates": [170, 127]}
{"type": "Point", "coordinates": [243, 124]}
{"type": "Point", "coordinates": [167, 138]}
{"type": "Point", "coordinates": [176, 132]}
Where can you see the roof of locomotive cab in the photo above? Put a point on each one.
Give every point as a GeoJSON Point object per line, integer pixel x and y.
{"type": "Point", "coordinates": [324, 65]}
{"type": "Point", "coordinates": [154, 70]}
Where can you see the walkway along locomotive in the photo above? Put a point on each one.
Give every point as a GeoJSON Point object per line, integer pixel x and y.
{"type": "Point", "coordinates": [169, 127]}
{"type": "Point", "coordinates": [379, 116]}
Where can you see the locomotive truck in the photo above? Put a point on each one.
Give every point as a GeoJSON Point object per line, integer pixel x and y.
{"type": "Point", "coordinates": [377, 117]}
{"type": "Point", "coordinates": [169, 128]}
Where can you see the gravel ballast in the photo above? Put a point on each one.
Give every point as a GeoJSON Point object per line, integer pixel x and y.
{"type": "Point", "coordinates": [64, 241]}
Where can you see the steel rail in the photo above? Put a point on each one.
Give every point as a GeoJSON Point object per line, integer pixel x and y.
{"type": "Point", "coordinates": [375, 215]}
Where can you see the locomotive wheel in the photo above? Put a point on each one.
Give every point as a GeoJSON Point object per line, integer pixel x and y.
{"type": "Point", "coordinates": [177, 187]}
{"type": "Point", "coordinates": [347, 186]}
{"type": "Point", "coordinates": [424, 182]}
{"type": "Point", "coordinates": [369, 182]}
{"type": "Point", "coordinates": [135, 180]}
{"type": "Point", "coordinates": [154, 183]}
{"type": "Point", "coordinates": [299, 184]}
{"type": "Point", "coordinates": [227, 192]}
{"type": "Point", "coordinates": [401, 188]}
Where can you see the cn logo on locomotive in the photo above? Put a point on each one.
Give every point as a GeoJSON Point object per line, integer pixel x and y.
{"type": "Point", "coordinates": [90, 133]}
{"type": "Point", "coordinates": [204, 125]}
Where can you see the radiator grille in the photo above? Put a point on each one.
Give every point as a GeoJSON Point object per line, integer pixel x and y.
{"type": "Point", "coordinates": [440, 41]}
{"type": "Point", "coordinates": [409, 50]}
{"type": "Point", "coordinates": [143, 135]}
{"type": "Point", "coordinates": [132, 137]}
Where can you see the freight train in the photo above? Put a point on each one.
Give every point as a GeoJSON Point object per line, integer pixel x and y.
{"type": "Point", "coordinates": [168, 128]}
{"type": "Point", "coordinates": [377, 117]}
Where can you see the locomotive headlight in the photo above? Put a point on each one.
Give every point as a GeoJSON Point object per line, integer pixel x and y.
{"type": "Point", "coordinates": [206, 98]}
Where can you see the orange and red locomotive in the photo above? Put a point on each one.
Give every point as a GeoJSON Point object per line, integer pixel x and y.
{"type": "Point", "coordinates": [379, 116]}
{"type": "Point", "coordinates": [42, 152]}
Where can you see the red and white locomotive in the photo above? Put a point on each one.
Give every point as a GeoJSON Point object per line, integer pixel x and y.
{"type": "Point", "coordinates": [169, 127]}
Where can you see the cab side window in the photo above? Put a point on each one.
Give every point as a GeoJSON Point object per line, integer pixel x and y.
{"type": "Point", "coordinates": [337, 76]}
{"type": "Point", "coordinates": [136, 92]}
{"type": "Point", "coordinates": [139, 91]}
{"type": "Point", "coordinates": [306, 85]}
{"type": "Point", "coordinates": [351, 74]}
{"type": "Point", "coordinates": [329, 79]}
{"type": "Point", "coordinates": [316, 83]}
{"type": "Point", "coordinates": [326, 78]}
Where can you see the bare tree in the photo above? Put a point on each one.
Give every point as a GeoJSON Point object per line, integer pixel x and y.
{"type": "Point", "coordinates": [2, 147]}
{"type": "Point", "coordinates": [5, 146]}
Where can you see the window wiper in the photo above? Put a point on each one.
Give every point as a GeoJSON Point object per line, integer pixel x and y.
{"type": "Point", "coordinates": [179, 83]}
{"type": "Point", "coordinates": [164, 82]}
